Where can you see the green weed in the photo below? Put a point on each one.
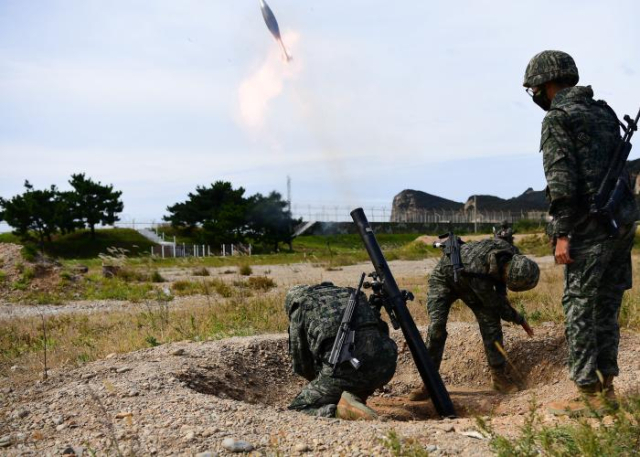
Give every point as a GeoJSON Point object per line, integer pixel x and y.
{"type": "Point", "coordinates": [403, 447]}
{"type": "Point", "coordinates": [616, 434]}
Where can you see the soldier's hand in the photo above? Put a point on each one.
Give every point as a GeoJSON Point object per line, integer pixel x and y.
{"type": "Point", "coordinates": [562, 251]}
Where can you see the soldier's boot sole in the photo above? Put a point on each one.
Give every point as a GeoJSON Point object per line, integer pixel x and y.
{"type": "Point", "coordinates": [352, 408]}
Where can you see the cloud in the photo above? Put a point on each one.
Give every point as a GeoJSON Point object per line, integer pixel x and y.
{"type": "Point", "coordinates": [258, 90]}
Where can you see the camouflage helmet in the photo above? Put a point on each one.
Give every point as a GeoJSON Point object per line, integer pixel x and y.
{"type": "Point", "coordinates": [522, 274]}
{"type": "Point", "coordinates": [550, 66]}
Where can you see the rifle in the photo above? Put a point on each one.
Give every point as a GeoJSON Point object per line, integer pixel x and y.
{"type": "Point", "coordinates": [396, 300]}
{"type": "Point", "coordinates": [605, 201]}
{"type": "Point", "coordinates": [451, 248]}
{"type": "Point", "coordinates": [343, 345]}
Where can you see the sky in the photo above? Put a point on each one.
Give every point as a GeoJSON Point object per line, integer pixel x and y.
{"type": "Point", "coordinates": [157, 97]}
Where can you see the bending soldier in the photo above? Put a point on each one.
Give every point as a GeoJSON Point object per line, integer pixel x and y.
{"type": "Point", "coordinates": [579, 137]}
{"type": "Point", "coordinates": [315, 313]}
{"type": "Point", "coordinates": [490, 267]}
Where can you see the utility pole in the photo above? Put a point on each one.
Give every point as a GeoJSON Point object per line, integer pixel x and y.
{"type": "Point", "coordinates": [475, 214]}
{"type": "Point", "coordinates": [289, 192]}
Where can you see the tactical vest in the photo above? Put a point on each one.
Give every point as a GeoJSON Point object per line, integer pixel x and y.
{"type": "Point", "coordinates": [595, 131]}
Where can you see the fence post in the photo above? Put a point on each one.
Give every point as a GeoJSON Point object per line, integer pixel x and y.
{"type": "Point", "coordinates": [162, 247]}
{"type": "Point", "coordinates": [151, 251]}
{"type": "Point", "coordinates": [232, 250]}
{"type": "Point", "coordinates": [249, 249]}
{"type": "Point", "coordinates": [224, 250]}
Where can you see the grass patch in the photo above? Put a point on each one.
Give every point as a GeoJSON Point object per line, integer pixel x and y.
{"type": "Point", "coordinates": [74, 339]}
{"type": "Point", "coordinates": [263, 283]}
{"type": "Point", "coordinates": [617, 434]}
{"type": "Point", "coordinates": [80, 245]}
{"type": "Point", "coordinates": [245, 270]}
{"type": "Point", "coordinates": [537, 245]}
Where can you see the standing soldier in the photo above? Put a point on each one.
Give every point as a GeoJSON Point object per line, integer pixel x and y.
{"type": "Point", "coordinates": [490, 267]}
{"type": "Point", "coordinates": [315, 314]}
{"type": "Point", "coordinates": [579, 136]}
{"type": "Point", "coordinates": [504, 232]}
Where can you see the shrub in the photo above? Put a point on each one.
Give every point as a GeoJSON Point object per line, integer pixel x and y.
{"type": "Point", "coordinates": [156, 277]}
{"type": "Point", "coordinates": [261, 283]}
{"type": "Point", "coordinates": [200, 272]}
{"type": "Point", "coordinates": [245, 270]}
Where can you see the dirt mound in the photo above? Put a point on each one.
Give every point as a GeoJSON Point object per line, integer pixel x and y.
{"type": "Point", "coordinates": [189, 397]}
{"type": "Point", "coordinates": [259, 372]}
{"type": "Point", "coordinates": [20, 277]}
{"type": "Point", "coordinates": [10, 260]}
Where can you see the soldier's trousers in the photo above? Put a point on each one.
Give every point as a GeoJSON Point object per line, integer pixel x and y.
{"type": "Point", "coordinates": [377, 353]}
{"type": "Point", "coordinates": [594, 285]}
{"type": "Point", "coordinates": [442, 294]}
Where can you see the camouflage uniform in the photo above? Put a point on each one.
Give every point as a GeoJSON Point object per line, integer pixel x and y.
{"type": "Point", "coordinates": [579, 135]}
{"type": "Point", "coordinates": [505, 232]}
{"type": "Point", "coordinates": [315, 313]}
{"type": "Point", "coordinates": [481, 287]}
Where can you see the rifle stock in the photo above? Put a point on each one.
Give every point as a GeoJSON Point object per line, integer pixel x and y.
{"type": "Point", "coordinates": [397, 301]}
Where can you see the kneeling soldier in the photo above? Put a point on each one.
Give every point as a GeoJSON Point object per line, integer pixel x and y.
{"type": "Point", "coordinates": [315, 313]}
{"type": "Point", "coordinates": [490, 267]}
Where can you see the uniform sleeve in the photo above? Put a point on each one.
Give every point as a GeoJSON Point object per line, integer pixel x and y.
{"type": "Point", "coordinates": [560, 170]}
{"type": "Point", "coordinates": [494, 296]}
{"type": "Point", "coordinates": [301, 357]}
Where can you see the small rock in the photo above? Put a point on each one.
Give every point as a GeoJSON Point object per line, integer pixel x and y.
{"type": "Point", "coordinates": [190, 436]}
{"type": "Point", "coordinates": [123, 369]}
{"type": "Point", "coordinates": [447, 428]}
{"type": "Point", "coordinates": [6, 441]}
{"type": "Point", "coordinates": [473, 434]}
{"type": "Point", "coordinates": [179, 351]}
{"type": "Point", "coordinates": [61, 427]}
{"type": "Point", "coordinates": [20, 414]}
{"type": "Point", "coordinates": [124, 414]}
{"type": "Point", "coordinates": [57, 420]}
{"type": "Point", "coordinates": [431, 448]}
{"type": "Point", "coordinates": [301, 447]}
{"type": "Point", "coordinates": [233, 445]}
{"type": "Point", "coordinates": [76, 451]}
{"type": "Point", "coordinates": [15, 368]}
{"type": "Point", "coordinates": [133, 393]}
{"type": "Point", "coordinates": [111, 356]}
{"type": "Point", "coordinates": [206, 454]}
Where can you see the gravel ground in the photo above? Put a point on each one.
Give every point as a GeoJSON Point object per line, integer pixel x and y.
{"type": "Point", "coordinates": [195, 398]}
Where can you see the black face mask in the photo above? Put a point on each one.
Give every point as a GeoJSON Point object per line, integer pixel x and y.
{"type": "Point", "coordinates": [540, 98]}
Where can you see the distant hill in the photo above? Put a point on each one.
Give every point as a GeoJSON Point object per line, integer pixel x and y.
{"type": "Point", "coordinates": [414, 200]}
{"type": "Point", "coordinates": [410, 199]}
{"type": "Point", "coordinates": [530, 200]}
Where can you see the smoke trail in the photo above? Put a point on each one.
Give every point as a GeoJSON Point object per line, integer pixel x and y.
{"type": "Point", "coordinates": [258, 90]}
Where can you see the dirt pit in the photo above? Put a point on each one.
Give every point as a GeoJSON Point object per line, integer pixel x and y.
{"type": "Point", "coordinates": [260, 373]}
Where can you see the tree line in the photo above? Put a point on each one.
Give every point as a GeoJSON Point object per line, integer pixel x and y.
{"type": "Point", "coordinates": [213, 215]}
{"type": "Point", "coordinates": [49, 211]}
{"type": "Point", "coordinates": [221, 214]}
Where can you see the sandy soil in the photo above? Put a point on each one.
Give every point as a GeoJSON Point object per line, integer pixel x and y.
{"type": "Point", "coordinates": [187, 398]}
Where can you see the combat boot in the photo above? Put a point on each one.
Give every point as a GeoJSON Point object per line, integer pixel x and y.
{"type": "Point", "coordinates": [419, 394]}
{"type": "Point", "coordinates": [589, 402]}
{"type": "Point", "coordinates": [608, 389]}
{"type": "Point", "coordinates": [502, 382]}
{"type": "Point", "coordinates": [353, 408]}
